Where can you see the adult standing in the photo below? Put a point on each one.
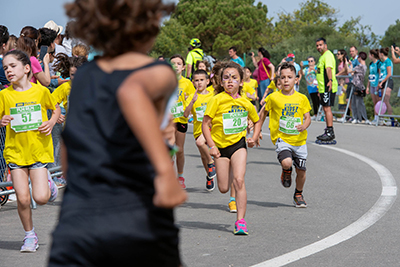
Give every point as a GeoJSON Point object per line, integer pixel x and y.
{"type": "Point", "coordinates": [234, 57]}
{"type": "Point", "coordinates": [357, 100]}
{"type": "Point", "coordinates": [4, 36]}
{"type": "Point", "coordinates": [385, 76]}
{"type": "Point", "coordinates": [195, 54]}
{"type": "Point", "coordinates": [327, 87]}
{"type": "Point", "coordinates": [310, 74]}
{"type": "Point", "coordinates": [58, 41]}
{"type": "Point", "coordinates": [266, 70]}
{"type": "Point", "coordinates": [373, 79]}
{"type": "Point", "coordinates": [343, 69]}
{"type": "Point", "coordinates": [395, 49]}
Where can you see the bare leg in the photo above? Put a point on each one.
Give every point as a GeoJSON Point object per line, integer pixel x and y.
{"type": "Point", "coordinates": [180, 156]}
{"type": "Point", "coordinates": [21, 185]}
{"type": "Point", "coordinates": [238, 166]}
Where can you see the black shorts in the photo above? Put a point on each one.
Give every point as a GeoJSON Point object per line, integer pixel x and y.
{"type": "Point", "coordinates": [181, 127]}
{"type": "Point", "coordinates": [327, 99]}
{"type": "Point", "coordinates": [228, 151]}
{"type": "Point", "coordinates": [390, 84]}
{"type": "Point", "coordinates": [134, 232]}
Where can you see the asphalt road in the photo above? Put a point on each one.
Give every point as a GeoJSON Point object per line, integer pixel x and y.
{"type": "Point", "coordinates": [341, 189]}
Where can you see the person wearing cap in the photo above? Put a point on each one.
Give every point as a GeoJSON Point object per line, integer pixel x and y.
{"type": "Point", "coordinates": [291, 60]}
{"type": "Point", "coordinates": [58, 29]}
{"type": "Point", "coordinates": [195, 54]}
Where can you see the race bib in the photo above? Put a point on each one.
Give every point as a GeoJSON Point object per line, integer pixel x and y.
{"type": "Point", "coordinates": [288, 125]}
{"type": "Point", "coordinates": [27, 118]}
{"type": "Point", "coordinates": [381, 77]}
{"type": "Point", "coordinates": [177, 110]}
{"type": "Point", "coordinates": [235, 122]}
{"type": "Point", "coordinates": [200, 112]}
{"type": "Point", "coordinates": [372, 78]}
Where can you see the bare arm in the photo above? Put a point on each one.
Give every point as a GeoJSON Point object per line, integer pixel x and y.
{"type": "Point", "coordinates": [44, 76]}
{"type": "Point", "coordinates": [47, 126]}
{"type": "Point", "coordinates": [272, 68]}
{"type": "Point", "coordinates": [205, 126]}
{"type": "Point", "coordinates": [306, 123]}
{"type": "Point", "coordinates": [254, 60]}
{"type": "Point", "coordinates": [394, 59]}
{"type": "Point", "coordinates": [134, 101]}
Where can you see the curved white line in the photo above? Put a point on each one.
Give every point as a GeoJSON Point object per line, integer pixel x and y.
{"type": "Point", "coordinates": [384, 203]}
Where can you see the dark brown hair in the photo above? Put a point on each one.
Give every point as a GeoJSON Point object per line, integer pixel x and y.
{"type": "Point", "coordinates": [4, 35]}
{"type": "Point", "coordinates": [178, 56]}
{"type": "Point", "coordinates": [116, 27]}
{"type": "Point", "coordinates": [27, 40]}
{"type": "Point", "coordinates": [374, 53]}
{"type": "Point", "coordinates": [216, 76]}
{"type": "Point", "coordinates": [64, 63]}
{"type": "Point", "coordinates": [22, 57]}
{"type": "Point", "coordinates": [384, 50]}
{"type": "Point", "coordinates": [344, 53]}
{"type": "Point", "coordinates": [205, 62]}
{"type": "Point", "coordinates": [362, 55]}
{"type": "Point", "coordinates": [286, 65]}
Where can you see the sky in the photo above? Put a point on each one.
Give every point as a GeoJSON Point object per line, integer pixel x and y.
{"type": "Point", "coordinates": [37, 13]}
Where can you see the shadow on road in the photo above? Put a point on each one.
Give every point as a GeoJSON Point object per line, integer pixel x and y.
{"type": "Point", "coordinates": [204, 225]}
{"type": "Point", "coordinates": [267, 204]}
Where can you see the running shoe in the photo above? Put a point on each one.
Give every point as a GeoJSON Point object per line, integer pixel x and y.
{"type": "Point", "coordinates": [31, 244]}
{"type": "Point", "coordinates": [181, 181]}
{"type": "Point", "coordinates": [299, 201]}
{"type": "Point", "coordinates": [286, 177]}
{"type": "Point", "coordinates": [53, 188]}
{"type": "Point", "coordinates": [210, 185]}
{"type": "Point", "coordinates": [211, 171]}
{"type": "Point", "coordinates": [240, 227]}
{"type": "Point", "coordinates": [60, 182]}
{"type": "Point", "coordinates": [232, 206]}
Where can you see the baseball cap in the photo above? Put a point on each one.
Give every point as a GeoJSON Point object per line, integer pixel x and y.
{"type": "Point", "coordinates": [53, 26]}
{"type": "Point", "coordinates": [291, 55]}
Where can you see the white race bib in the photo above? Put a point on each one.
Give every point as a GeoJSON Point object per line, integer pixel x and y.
{"type": "Point", "coordinates": [372, 78]}
{"type": "Point", "coordinates": [200, 112]}
{"type": "Point", "coordinates": [381, 77]}
{"type": "Point", "coordinates": [235, 122]}
{"type": "Point", "coordinates": [177, 110]}
{"type": "Point", "coordinates": [288, 125]}
{"type": "Point", "coordinates": [26, 118]}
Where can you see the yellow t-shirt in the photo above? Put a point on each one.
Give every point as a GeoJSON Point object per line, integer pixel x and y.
{"type": "Point", "coordinates": [248, 89]}
{"type": "Point", "coordinates": [229, 118]}
{"type": "Point", "coordinates": [27, 147]}
{"type": "Point", "coordinates": [61, 94]}
{"type": "Point", "coordinates": [254, 84]}
{"type": "Point", "coordinates": [198, 109]}
{"type": "Point", "coordinates": [185, 86]}
{"type": "Point", "coordinates": [285, 112]}
{"type": "Point", "coordinates": [342, 97]}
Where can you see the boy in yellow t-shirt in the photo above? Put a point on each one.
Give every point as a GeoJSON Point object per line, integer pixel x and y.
{"type": "Point", "coordinates": [289, 117]}
{"type": "Point", "coordinates": [249, 86]}
{"type": "Point", "coordinates": [226, 115]}
{"type": "Point", "coordinates": [197, 104]}
{"type": "Point", "coordinates": [185, 88]}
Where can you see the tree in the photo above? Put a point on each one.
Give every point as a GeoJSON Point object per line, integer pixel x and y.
{"type": "Point", "coordinates": [392, 35]}
{"type": "Point", "coordinates": [221, 24]}
{"type": "Point", "coordinates": [363, 33]}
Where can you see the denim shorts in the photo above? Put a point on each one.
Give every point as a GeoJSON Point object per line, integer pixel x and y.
{"type": "Point", "coordinates": [33, 166]}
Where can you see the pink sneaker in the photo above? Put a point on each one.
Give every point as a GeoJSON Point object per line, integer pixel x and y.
{"type": "Point", "coordinates": [53, 188]}
{"type": "Point", "coordinates": [240, 227]}
{"type": "Point", "coordinates": [181, 181]}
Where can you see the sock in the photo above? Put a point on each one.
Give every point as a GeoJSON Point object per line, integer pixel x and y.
{"type": "Point", "coordinates": [31, 232]}
{"type": "Point", "coordinates": [297, 191]}
{"type": "Point", "coordinates": [376, 117]}
{"type": "Point", "coordinates": [180, 174]}
{"type": "Point", "coordinates": [232, 199]}
{"type": "Point", "coordinates": [329, 127]}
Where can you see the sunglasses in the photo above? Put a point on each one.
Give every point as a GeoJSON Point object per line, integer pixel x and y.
{"type": "Point", "coordinates": [310, 60]}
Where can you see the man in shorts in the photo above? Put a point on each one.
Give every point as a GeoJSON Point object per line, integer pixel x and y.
{"type": "Point", "coordinates": [327, 87]}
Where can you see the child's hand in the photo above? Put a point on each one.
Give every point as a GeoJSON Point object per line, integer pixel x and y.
{"type": "Point", "coordinates": [61, 119]}
{"type": "Point", "coordinates": [248, 95]}
{"type": "Point", "coordinates": [46, 127]}
{"type": "Point", "coordinates": [46, 59]}
{"type": "Point", "coordinates": [186, 96]}
{"type": "Point", "coordinates": [169, 193]}
{"type": "Point", "coordinates": [251, 143]}
{"type": "Point", "coordinates": [195, 96]}
{"type": "Point", "coordinates": [6, 120]}
{"type": "Point", "coordinates": [300, 127]}
{"type": "Point", "coordinates": [250, 125]}
{"type": "Point", "coordinates": [215, 152]}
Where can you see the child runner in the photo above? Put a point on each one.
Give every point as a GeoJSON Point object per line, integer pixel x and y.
{"type": "Point", "coordinates": [289, 117]}
{"type": "Point", "coordinates": [252, 83]}
{"type": "Point", "coordinates": [226, 115]}
{"type": "Point", "coordinates": [197, 104]}
{"type": "Point", "coordinates": [185, 88]}
{"type": "Point", "coordinates": [114, 145]}
{"type": "Point", "coordinates": [28, 145]}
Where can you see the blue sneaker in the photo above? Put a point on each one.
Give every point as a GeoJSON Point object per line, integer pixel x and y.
{"type": "Point", "coordinates": [210, 185]}
{"type": "Point", "coordinates": [31, 244]}
{"type": "Point", "coordinates": [53, 188]}
{"type": "Point", "coordinates": [211, 171]}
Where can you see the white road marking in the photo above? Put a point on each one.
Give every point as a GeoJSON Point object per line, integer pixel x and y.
{"type": "Point", "coordinates": [384, 203]}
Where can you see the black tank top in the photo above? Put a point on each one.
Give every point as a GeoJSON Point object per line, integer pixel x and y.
{"type": "Point", "coordinates": [104, 157]}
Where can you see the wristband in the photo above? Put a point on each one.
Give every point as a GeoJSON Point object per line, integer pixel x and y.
{"type": "Point", "coordinates": [212, 147]}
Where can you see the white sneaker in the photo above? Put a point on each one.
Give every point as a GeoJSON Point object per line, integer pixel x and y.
{"type": "Point", "coordinates": [354, 121]}
{"type": "Point", "coordinates": [388, 123]}
{"type": "Point", "coordinates": [341, 119]}
{"type": "Point", "coordinates": [368, 122]}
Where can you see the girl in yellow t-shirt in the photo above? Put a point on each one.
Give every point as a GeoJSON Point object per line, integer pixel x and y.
{"type": "Point", "coordinates": [197, 104]}
{"type": "Point", "coordinates": [251, 94]}
{"type": "Point", "coordinates": [226, 115]}
{"type": "Point", "coordinates": [185, 88]}
{"type": "Point", "coordinates": [28, 145]}
{"type": "Point", "coordinates": [67, 66]}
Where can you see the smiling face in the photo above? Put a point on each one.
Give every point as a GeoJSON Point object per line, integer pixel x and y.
{"type": "Point", "coordinates": [231, 80]}
{"type": "Point", "coordinates": [178, 65]}
{"type": "Point", "coordinates": [321, 46]}
{"type": "Point", "coordinates": [14, 69]}
{"type": "Point", "coordinates": [287, 80]}
{"type": "Point", "coordinates": [353, 52]}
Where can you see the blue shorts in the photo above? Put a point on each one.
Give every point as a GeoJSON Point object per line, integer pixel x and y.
{"type": "Point", "coordinates": [37, 165]}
